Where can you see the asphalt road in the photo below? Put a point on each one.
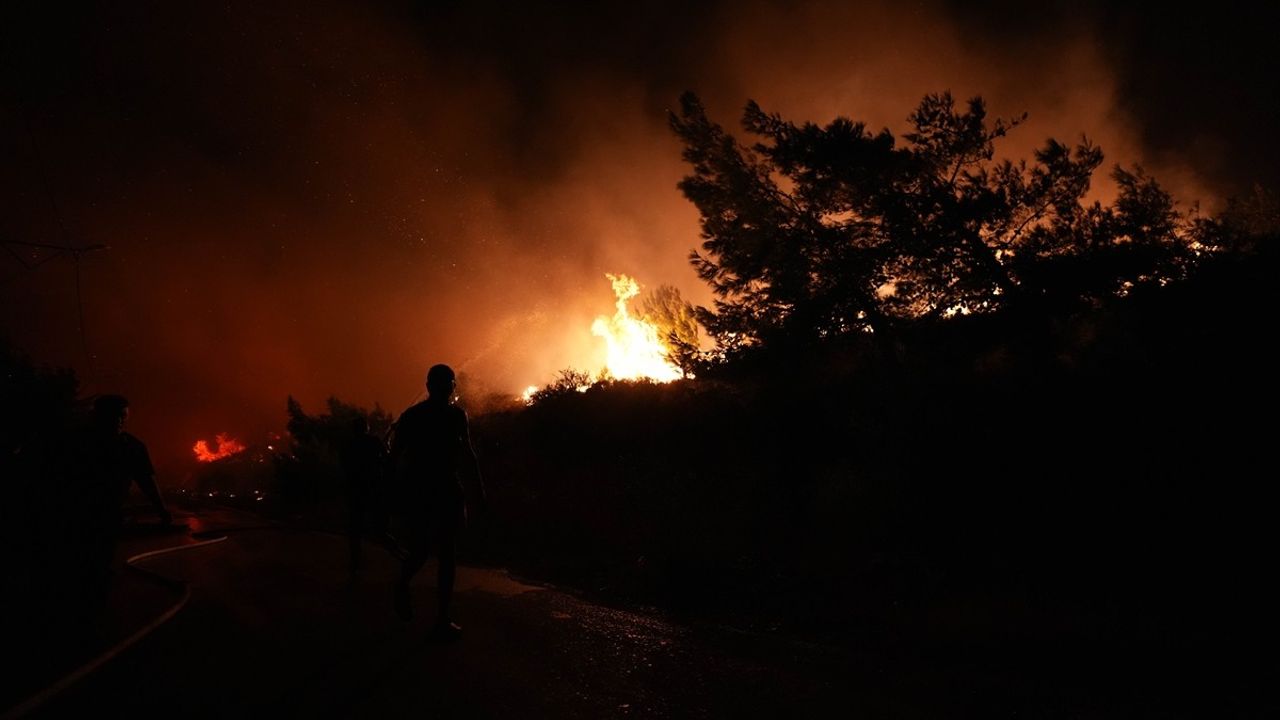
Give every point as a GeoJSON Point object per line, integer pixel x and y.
{"type": "Point", "coordinates": [224, 616]}
{"type": "Point", "coordinates": [267, 623]}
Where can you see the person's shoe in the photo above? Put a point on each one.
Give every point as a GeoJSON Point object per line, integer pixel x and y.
{"type": "Point", "coordinates": [446, 631]}
{"type": "Point", "coordinates": [401, 601]}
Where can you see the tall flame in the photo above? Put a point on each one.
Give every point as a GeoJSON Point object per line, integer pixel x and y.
{"type": "Point", "coordinates": [634, 350]}
{"type": "Point", "coordinates": [226, 447]}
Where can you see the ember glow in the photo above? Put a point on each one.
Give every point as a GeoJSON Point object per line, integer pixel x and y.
{"type": "Point", "coordinates": [634, 350]}
{"type": "Point", "coordinates": [225, 447]}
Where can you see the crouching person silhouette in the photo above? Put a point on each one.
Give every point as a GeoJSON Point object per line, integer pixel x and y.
{"type": "Point", "coordinates": [431, 440]}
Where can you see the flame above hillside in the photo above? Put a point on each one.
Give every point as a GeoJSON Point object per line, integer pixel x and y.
{"type": "Point", "coordinates": [633, 346]}
{"type": "Point", "coordinates": [223, 446]}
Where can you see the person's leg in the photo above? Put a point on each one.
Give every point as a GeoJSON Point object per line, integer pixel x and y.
{"type": "Point", "coordinates": [419, 549]}
{"type": "Point", "coordinates": [355, 533]}
{"type": "Point", "coordinates": [411, 564]}
{"type": "Point", "coordinates": [447, 571]}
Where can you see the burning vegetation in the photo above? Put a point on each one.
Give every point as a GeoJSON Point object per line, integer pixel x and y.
{"type": "Point", "coordinates": [223, 446]}
{"type": "Point", "coordinates": [637, 347]}
{"type": "Point", "coordinates": [635, 350]}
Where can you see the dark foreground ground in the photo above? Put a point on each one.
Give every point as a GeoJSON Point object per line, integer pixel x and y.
{"type": "Point", "coordinates": [265, 622]}
{"type": "Point", "coordinates": [235, 618]}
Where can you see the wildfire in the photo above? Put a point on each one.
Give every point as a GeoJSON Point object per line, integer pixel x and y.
{"type": "Point", "coordinates": [634, 350]}
{"type": "Point", "coordinates": [226, 447]}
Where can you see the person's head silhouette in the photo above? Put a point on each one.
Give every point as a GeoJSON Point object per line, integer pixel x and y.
{"type": "Point", "coordinates": [110, 413]}
{"type": "Point", "coordinates": [440, 382]}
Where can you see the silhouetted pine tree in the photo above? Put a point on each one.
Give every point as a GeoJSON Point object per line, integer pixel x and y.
{"type": "Point", "coordinates": [817, 232]}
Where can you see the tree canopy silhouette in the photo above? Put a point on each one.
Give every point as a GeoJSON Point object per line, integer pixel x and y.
{"type": "Point", "coordinates": [816, 232]}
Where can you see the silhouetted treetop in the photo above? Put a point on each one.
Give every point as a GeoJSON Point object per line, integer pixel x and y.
{"type": "Point", "coordinates": [332, 428]}
{"type": "Point", "coordinates": [677, 325]}
{"type": "Point", "coordinates": [814, 232]}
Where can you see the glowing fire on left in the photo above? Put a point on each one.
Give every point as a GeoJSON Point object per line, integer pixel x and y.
{"type": "Point", "coordinates": [224, 447]}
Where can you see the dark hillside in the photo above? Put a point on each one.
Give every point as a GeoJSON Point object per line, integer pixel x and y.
{"type": "Point", "coordinates": [1056, 482]}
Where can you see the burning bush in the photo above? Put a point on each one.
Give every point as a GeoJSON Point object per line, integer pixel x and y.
{"type": "Point", "coordinates": [224, 446]}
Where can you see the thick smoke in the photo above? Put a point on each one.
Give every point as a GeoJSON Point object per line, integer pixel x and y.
{"type": "Point", "coordinates": [328, 200]}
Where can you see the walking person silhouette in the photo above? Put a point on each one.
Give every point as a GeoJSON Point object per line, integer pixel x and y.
{"type": "Point", "coordinates": [431, 438]}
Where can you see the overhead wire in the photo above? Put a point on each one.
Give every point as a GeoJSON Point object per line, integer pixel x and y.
{"type": "Point", "coordinates": [59, 250]}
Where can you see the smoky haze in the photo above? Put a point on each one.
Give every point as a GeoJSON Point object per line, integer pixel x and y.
{"type": "Point", "coordinates": [328, 199]}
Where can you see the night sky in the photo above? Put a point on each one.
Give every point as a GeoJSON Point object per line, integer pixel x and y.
{"type": "Point", "coordinates": [326, 198]}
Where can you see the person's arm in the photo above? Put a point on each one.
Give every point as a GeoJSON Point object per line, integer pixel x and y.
{"type": "Point", "coordinates": [145, 477]}
{"type": "Point", "coordinates": [392, 458]}
{"type": "Point", "coordinates": [473, 465]}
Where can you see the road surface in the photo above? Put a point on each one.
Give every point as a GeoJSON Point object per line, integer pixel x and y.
{"type": "Point", "coordinates": [265, 621]}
